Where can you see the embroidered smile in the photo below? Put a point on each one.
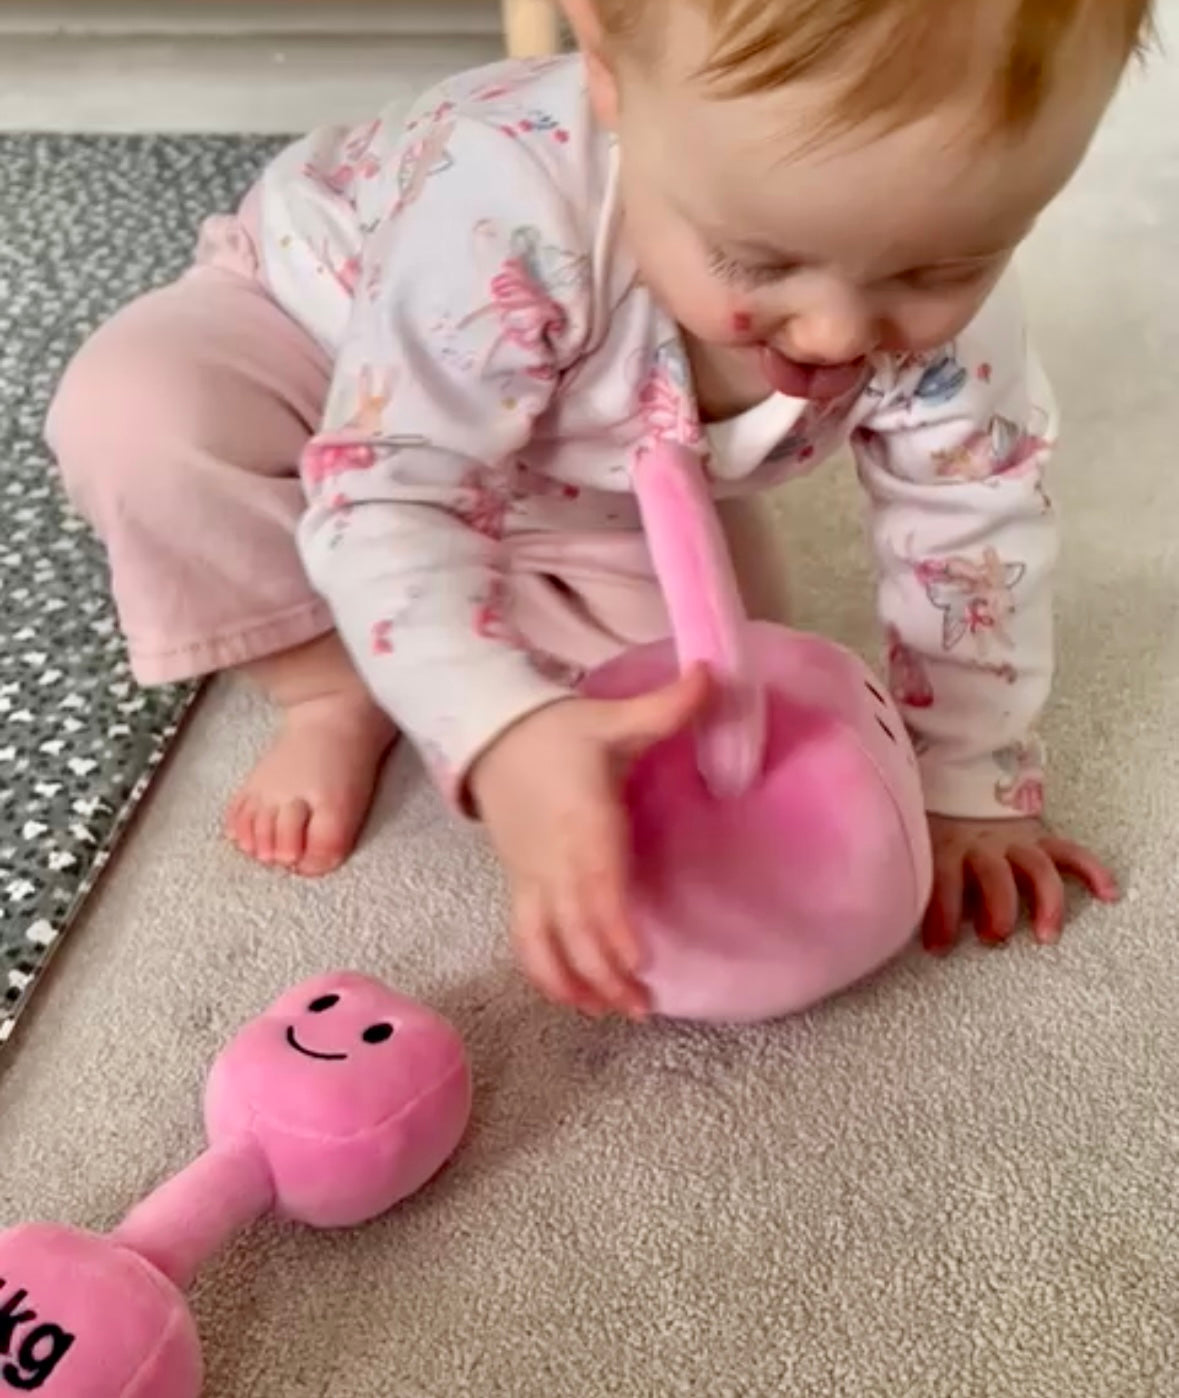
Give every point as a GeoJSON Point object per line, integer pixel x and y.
{"type": "Point", "coordinates": [310, 1053]}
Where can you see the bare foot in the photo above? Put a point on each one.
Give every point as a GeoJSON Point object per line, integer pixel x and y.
{"type": "Point", "coordinates": [303, 805]}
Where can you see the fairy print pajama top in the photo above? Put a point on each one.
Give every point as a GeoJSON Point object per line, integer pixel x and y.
{"type": "Point", "coordinates": [498, 365]}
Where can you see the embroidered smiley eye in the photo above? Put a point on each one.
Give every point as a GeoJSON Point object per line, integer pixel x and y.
{"type": "Point", "coordinates": [377, 1034]}
{"type": "Point", "coordinates": [325, 1002]}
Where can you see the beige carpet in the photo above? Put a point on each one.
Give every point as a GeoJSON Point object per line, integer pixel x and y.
{"type": "Point", "coordinates": [959, 1182]}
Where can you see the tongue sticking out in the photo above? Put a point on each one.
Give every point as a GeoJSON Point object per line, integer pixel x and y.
{"type": "Point", "coordinates": [820, 382]}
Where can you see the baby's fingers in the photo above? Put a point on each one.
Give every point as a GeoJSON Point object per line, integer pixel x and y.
{"type": "Point", "coordinates": [589, 941]}
{"type": "Point", "coordinates": [602, 887]}
{"type": "Point", "coordinates": [595, 927]}
{"type": "Point", "coordinates": [613, 916]}
{"type": "Point", "coordinates": [1044, 890]}
{"type": "Point", "coordinates": [541, 957]}
{"type": "Point", "coordinates": [943, 917]}
{"type": "Point", "coordinates": [1082, 864]}
{"type": "Point", "coordinates": [998, 897]}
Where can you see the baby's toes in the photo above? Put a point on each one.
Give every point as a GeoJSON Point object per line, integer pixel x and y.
{"type": "Point", "coordinates": [290, 833]}
{"type": "Point", "coordinates": [265, 832]}
{"type": "Point", "coordinates": [239, 823]}
{"type": "Point", "coordinates": [331, 836]}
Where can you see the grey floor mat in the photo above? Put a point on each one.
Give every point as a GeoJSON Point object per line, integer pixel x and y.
{"type": "Point", "coordinates": [85, 224]}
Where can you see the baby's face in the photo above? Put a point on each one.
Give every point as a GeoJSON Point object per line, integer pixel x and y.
{"type": "Point", "coordinates": [754, 228]}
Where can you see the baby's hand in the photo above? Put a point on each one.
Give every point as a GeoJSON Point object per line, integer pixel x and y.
{"type": "Point", "coordinates": [548, 792]}
{"type": "Point", "coordinates": [982, 865]}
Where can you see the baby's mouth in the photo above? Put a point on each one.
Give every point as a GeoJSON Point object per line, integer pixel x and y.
{"type": "Point", "coordinates": [819, 382]}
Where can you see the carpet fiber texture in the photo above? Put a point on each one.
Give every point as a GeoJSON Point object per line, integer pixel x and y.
{"type": "Point", "coordinates": [959, 1181]}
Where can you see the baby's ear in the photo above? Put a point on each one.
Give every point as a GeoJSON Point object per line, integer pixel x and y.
{"type": "Point", "coordinates": [586, 24]}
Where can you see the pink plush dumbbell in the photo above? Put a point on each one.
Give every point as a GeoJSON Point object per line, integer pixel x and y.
{"type": "Point", "coordinates": [340, 1101]}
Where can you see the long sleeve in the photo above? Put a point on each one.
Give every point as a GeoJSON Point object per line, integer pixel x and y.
{"type": "Point", "coordinates": [465, 315]}
{"type": "Point", "coordinates": [952, 460]}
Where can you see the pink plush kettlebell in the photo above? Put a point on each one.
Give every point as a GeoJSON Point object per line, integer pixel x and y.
{"type": "Point", "coordinates": [340, 1101]}
{"type": "Point", "coordinates": [781, 851]}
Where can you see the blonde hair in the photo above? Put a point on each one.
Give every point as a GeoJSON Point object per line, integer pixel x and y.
{"type": "Point", "coordinates": [907, 55]}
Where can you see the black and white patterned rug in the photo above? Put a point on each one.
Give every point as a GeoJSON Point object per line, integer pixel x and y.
{"type": "Point", "coordinates": [86, 223]}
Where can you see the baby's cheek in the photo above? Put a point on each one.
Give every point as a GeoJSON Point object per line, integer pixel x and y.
{"type": "Point", "coordinates": [676, 273]}
{"type": "Point", "coordinates": [927, 322]}
{"type": "Point", "coordinates": [714, 315]}
{"type": "Point", "coordinates": [690, 299]}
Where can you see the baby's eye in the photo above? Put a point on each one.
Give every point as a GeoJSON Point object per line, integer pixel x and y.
{"type": "Point", "coordinates": [951, 275]}
{"type": "Point", "coordinates": [733, 269]}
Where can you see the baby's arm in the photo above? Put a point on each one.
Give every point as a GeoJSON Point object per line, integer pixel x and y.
{"type": "Point", "coordinates": [966, 542]}
{"type": "Point", "coordinates": [471, 299]}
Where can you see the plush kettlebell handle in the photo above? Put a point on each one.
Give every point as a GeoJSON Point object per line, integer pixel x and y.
{"type": "Point", "coordinates": [194, 1214]}
{"type": "Point", "coordinates": [708, 618]}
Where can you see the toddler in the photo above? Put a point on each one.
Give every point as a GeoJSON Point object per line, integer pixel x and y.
{"type": "Point", "coordinates": [374, 448]}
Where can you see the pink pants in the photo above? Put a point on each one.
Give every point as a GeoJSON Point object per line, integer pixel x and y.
{"type": "Point", "coordinates": [178, 429]}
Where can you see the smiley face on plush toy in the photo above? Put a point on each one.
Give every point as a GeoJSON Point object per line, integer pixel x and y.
{"type": "Point", "coordinates": [336, 1056]}
{"type": "Point", "coordinates": [379, 1033]}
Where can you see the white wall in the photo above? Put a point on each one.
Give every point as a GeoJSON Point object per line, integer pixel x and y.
{"type": "Point", "coordinates": [128, 65]}
{"type": "Point", "coordinates": [151, 18]}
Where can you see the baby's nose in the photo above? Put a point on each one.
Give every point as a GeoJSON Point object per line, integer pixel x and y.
{"type": "Point", "coordinates": [834, 336]}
